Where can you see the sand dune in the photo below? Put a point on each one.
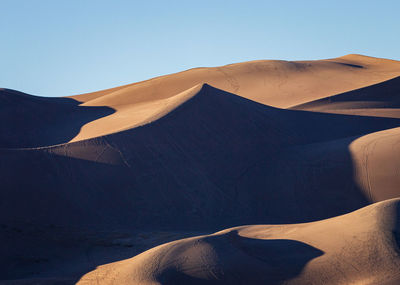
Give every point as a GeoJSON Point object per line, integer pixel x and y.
{"type": "Point", "coordinates": [275, 83]}
{"type": "Point", "coordinates": [133, 115]}
{"type": "Point", "coordinates": [379, 100]}
{"type": "Point", "coordinates": [280, 84]}
{"type": "Point", "coordinates": [200, 159]}
{"type": "Point", "coordinates": [31, 121]}
{"type": "Point", "coordinates": [357, 248]}
{"type": "Point", "coordinates": [97, 178]}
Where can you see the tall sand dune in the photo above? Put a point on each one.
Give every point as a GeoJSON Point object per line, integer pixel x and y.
{"type": "Point", "coordinates": [281, 84]}
{"type": "Point", "coordinates": [96, 178]}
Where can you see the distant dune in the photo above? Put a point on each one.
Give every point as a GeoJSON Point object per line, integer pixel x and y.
{"type": "Point", "coordinates": [294, 147]}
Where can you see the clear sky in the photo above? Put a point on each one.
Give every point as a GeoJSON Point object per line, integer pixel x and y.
{"type": "Point", "coordinates": [60, 48]}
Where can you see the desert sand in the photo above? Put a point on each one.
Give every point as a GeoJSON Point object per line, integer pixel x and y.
{"type": "Point", "coordinates": [294, 165]}
{"type": "Point", "coordinates": [356, 248]}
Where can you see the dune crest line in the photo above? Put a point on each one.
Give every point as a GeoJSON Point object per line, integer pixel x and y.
{"type": "Point", "coordinates": [262, 172]}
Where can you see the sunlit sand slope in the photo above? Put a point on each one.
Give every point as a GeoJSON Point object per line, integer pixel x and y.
{"type": "Point", "coordinates": [262, 142]}
{"type": "Point", "coordinates": [276, 83]}
{"type": "Point", "coordinates": [217, 159]}
{"type": "Point", "coordinates": [357, 248]}
{"type": "Point", "coordinates": [39, 121]}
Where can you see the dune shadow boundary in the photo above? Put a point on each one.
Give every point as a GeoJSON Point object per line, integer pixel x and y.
{"type": "Point", "coordinates": [33, 121]}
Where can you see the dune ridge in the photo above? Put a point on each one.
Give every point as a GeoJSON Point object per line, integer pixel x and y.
{"type": "Point", "coordinates": [287, 148]}
{"type": "Point", "coordinates": [130, 116]}
{"type": "Point", "coordinates": [325, 252]}
{"type": "Point", "coordinates": [282, 84]}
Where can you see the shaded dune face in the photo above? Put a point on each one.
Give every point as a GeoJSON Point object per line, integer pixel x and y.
{"type": "Point", "coordinates": [341, 250]}
{"type": "Point", "coordinates": [230, 258]}
{"type": "Point", "coordinates": [276, 83]}
{"type": "Point", "coordinates": [218, 158]}
{"type": "Point", "coordinates": [30, 121]}
{"type": "Point", "coordinates": [39, 122]}
{"type": "Point", "coordinates": [383, 96]}
{"type": "Point", "coordinates": [264, 142]}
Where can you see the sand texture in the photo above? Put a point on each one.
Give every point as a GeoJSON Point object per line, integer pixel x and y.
{"type": "Point", "coordinates": [296, 162]}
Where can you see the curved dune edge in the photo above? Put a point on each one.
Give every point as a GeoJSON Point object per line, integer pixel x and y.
{"type": "Point", "coordinates": [378, 100]}
{"type": "Point", "coordinates": [281, 84]}
{"type": "Point", "coordinates": [375, 161]}
{"type": "Point", "coordinates": [135, 115]}
{"type": "Point", "coordinates": [259, 81]}
{"type": "Point", "coordinates": [356, 248]}
{"type": "Point", "coordinates": [152, 156]}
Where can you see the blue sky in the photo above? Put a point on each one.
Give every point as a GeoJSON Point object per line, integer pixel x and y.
{"type": "Point", "coordinates": [60, 48]}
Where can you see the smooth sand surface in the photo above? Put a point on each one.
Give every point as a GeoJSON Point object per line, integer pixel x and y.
{"type": "Point", "coordinates": [276, 83]}
{"type": "Point", "coordinates": [281, 84]}
{"type": "Point", "coordinates": [356, 248]}
{"type": "Point", "coordinates": [92, 181]}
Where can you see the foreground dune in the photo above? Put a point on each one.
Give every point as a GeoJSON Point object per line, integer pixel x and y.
{"type": "Point", "coordinates": [357, 248]}
{"type": "Point", "coordinates": [97, 178]}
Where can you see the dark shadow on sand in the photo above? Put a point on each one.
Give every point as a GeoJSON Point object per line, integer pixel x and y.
{"type": "Point", "coordinates": [243, 260]}
{"type": "Point", "coordinates": [381, 95]}
{"type": "Point", "coordinates": [215, 162]}
{"type": "Point", "coordinates": [30, 121]}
